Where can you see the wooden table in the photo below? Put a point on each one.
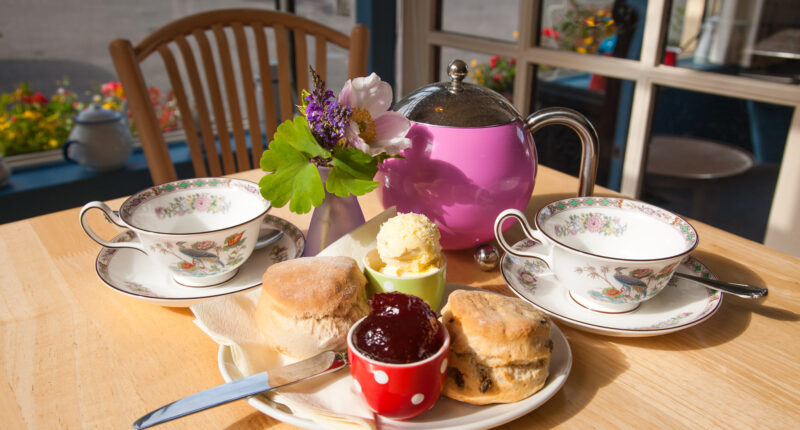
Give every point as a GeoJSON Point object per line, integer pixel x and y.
{"type": "Point", "coordinates": [78, 355]}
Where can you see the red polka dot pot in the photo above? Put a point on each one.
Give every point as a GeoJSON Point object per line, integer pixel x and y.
{"type": "Point", "coordinates": [398, 391]}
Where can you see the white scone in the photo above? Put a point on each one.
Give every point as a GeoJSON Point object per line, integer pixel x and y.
{"type": "Point", "coordinates": [499, 348]}
{"type": "Point", "coordinates": [307, 305]}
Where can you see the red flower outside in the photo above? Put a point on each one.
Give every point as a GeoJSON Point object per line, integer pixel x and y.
{"type": "Point", "coordinates": [493, 61]}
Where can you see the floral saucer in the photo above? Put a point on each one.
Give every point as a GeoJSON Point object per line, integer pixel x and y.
{"type": "Point", "coordinates": [130, 272]}
{"type": "Point", "coordinates": [681, 304]}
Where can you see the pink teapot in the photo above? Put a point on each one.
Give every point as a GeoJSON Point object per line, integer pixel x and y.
{"type": "Point", "coordinates": [471, 157]}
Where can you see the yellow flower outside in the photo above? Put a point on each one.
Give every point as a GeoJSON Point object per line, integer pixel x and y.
{"type": "Point", "coordinates": [473, 63]}
{"type": "Point", "coordinates": [29, 114]}
{"type": "Point", "coordinates": [588, 40]}
{"type": "Point", "coordinates": [581, 50]}
{"type": "Point", "coordinates": [53, 143]}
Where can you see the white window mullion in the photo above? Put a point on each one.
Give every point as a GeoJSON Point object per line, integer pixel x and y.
{"type": "Point", "coordinates": [528, 28]}
{"type": "Point", "coordinates": [641, 117]}
{"type": "Point", "coordinates": [638, 134]}
{"type": "Point", "coordinates": [782, 232]}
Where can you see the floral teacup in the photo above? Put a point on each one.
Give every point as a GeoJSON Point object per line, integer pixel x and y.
{"type": "Point", "coordinates": [202, 230]}
{"type": "Point", "coordinates": [610, 253]}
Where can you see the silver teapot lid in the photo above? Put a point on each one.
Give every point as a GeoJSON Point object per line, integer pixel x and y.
{"type": "Point", "coordinates": [95, 114]}
{"type": "Point", "coordinates": [457, 104]}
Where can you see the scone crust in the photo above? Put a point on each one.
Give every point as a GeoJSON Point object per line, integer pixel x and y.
{"type": "Point", "coordinates": [498, 330]}
{"type": "Point", "coordinates": [469, 381]}
{"type": "Point", "coordinates": [303, 337]}
{"type": "Point", "coordinates": [333, 284]}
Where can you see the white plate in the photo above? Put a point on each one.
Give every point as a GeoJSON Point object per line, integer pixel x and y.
{"type": "Point", "coordinates": [681, 304]}
{"type": "Point", "coordinates": [130, 272]}
{"type": "Point", "coordinates": [447, 413]}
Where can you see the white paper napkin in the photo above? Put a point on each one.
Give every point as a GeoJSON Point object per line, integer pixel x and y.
{"type": "Point", "coordinates": [230, 321]}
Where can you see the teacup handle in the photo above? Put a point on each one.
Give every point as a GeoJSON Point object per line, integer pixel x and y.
{"type": "Point", "coordinates": [532, 234]}
{"type": "Point", "coordinates": [111, 217]}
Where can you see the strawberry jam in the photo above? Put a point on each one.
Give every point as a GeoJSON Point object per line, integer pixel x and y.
{"type": "Point", "coordinates": [399, 329]}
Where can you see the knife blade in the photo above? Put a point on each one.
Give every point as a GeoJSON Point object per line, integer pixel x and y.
{"type": "Point", "coordinates": [320, 364]}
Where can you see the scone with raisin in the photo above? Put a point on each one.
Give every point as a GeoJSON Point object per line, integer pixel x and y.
{"type": "Point", "coordinates": [499, 348]}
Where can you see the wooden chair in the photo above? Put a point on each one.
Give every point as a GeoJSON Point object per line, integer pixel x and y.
{"type": "Point", "coordinates": [216, 106]}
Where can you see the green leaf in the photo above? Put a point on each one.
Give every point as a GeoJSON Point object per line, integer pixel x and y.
{"type": "Point", "coordinates": [297, 134]}
{"type": "Point", "coordinates": [352, 173]}
{"type": "Point", "coordinates": [293, 179]}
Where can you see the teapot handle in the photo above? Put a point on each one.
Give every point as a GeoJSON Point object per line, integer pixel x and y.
{"type": "Point", "coordinates": [586, 132]}
{"type": "Point", "coordinates": [65, 150]}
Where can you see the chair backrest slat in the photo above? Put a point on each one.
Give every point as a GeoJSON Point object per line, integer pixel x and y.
{"type": "Point", "coordinates": [320, 57]}
{"type": "Point", "coordinates": [301, 61]}
{"type": "Point", "coordinates": [284, 76]}
{"type": "Point", "coordinates": [248, 85]}
{"type": "Point", "coordinates": [234, 108]}
{"type": "Point", "coordinates": [183, 107]}
{"type": "Point", "coordinates": [201, 107]}
{"type": "Point", "coordinates": [224, 139]}
{"type": "Point", "coordinates": [214, 84]}
{"type": "Point", "coordinates": [265, 75]}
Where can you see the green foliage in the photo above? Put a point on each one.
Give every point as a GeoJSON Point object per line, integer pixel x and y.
{"type": "Point", "coordinates": [294, 177]}
{"type": "Point", "coordinates": [30, 122]}
{"type": "Point", "coordinates": [352, 172]}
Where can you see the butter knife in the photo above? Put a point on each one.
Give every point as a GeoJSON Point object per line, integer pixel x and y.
{"type": "Point", "coordinates": [320, 364]}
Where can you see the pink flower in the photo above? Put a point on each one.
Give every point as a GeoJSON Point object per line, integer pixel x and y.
{"type": "Point", "coordinates": [203, 245]}
{"type": "Point", "coordinates": [373, 128]}
{"type": "Point", "coordinates": [594, 224]}
{"type": "Point", "coordinates": [201, 203]}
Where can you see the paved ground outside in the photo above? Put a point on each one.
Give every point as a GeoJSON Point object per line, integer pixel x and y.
{"type": "Point", "coordinates": [43, 41]}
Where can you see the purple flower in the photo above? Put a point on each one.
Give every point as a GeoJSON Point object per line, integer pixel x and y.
{"type": "Point", "coordinates": [326, 118]}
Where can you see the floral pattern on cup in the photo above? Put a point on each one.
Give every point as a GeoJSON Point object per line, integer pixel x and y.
{"type": "Point", "coordinates": [591, 223]}
{"type": "Point", "coordinates": [686, 230]}
{"type": "Point", "coordinates": [529, 268]}
{"type": "Point", "coordinates": [630, 285]}
{"type": "Point", "coordinates": [187, 204]}
{"type": "Point", "coordinates": [148, 194]}
{"type": "Point", "coordinates": [203, 258]}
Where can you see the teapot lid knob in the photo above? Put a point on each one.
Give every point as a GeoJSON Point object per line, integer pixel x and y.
{"type": "Point", "coordinates": [457, 71]}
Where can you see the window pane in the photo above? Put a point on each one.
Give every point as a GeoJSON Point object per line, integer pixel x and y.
{"type": "Point", "coordinates": [716, 159]}
{"type": "Point", "coordinates": [339, 15]}
{"type": "Point", "coordinates": [754, 38]}
{"type": "Point", "coordinates": [491, 71]}
{"type": "Point", "coordinates": [496, 19]}
{"type": "Point", "coordinates": [605, 101]}
{"type": "Point", "coordinates": [79, 49]}
{"type": "Point", "coordinates": [601, 27]}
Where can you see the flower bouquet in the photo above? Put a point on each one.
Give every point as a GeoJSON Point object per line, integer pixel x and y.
{"type": "Point", "coordinates": [347, 137]}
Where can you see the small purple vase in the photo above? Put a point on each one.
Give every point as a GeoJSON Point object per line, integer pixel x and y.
{"type": "Point", "coordinates": [332, 219]}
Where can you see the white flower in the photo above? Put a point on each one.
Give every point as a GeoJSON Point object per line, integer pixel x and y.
{"type": "Point", "coordinates": [373, 128]}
